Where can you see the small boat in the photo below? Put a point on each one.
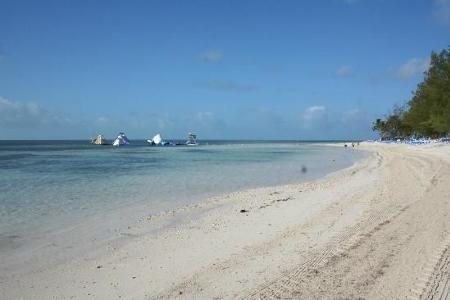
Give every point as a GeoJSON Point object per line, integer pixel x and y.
{"type": "Point", "coordinates": [121, 140]}
{"type": "Point", "coordinates": [192, 140]}
{"type": "Point", "coordinates": [158, 141]}
{"type": "Point", "coordinates": [99, 140]}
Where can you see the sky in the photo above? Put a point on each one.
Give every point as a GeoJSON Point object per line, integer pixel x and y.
{"type": "Point", "coordinates": [223, 69]}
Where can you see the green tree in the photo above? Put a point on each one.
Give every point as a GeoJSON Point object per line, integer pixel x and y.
{"type": "Point", "coordinates": [380, 126]}
{"type": "Point", "coordinates": [393, 125]}
{"type": "Point", "coordinates": [429, 109]}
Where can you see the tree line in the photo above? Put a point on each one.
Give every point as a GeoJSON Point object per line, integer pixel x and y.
{"type": "Point", "coordinates": [427, 113]}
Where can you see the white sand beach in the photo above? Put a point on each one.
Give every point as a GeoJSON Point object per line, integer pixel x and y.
{"type": "Point", "coordinates": [377, 230]}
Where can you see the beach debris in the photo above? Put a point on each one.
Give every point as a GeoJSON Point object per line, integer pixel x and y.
{"type": "Point", "coordinates": [243, 211]}
{"type": "Point", "coordinates": [273, 201]}
{"type": "Point", "coordinates": [283, 199]}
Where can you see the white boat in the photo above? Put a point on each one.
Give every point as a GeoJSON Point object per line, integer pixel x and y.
{"type": "Point", "coordinates": [156, 140]}
{"type": "Point", "coordinates": [192, 140]}
{"type": "Point", "coordinates": [99, 140]}
{"type": "Point", "coordinates": [121, 140]}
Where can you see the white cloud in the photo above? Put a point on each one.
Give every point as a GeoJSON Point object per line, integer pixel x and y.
{"type": "Point", "coordinates": [212, 56]}
{"type": "Point", "coordinates": [442, 11]}
{"type": "Point", "coordinates": [315, 116]}
{"type": "Point", "coordinates": [344, 71]}
{"type": "Point", "coordinates": [353, 116]}
{"type": "Point", "coordinates": [412, 68]}
{"type": "Point", "coordinates": [207, 120]}
{"type": "Point", "coordinates": [320, 123]}
{"type": "Point", "coordinates": [14, 115]}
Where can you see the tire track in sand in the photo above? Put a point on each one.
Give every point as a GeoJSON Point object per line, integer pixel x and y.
{"type": "Point", "coordinates": [287, 285]}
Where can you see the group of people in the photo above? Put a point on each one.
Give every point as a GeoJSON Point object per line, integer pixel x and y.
{"type": "Point", "coordinates": [353, 145]}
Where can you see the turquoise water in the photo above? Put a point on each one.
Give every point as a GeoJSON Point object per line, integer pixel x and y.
{"type": "Point", "coordinates": [44, 183]}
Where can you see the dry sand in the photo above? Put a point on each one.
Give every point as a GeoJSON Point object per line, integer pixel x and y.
{"type": "Point", "coordinates": [377, 230]}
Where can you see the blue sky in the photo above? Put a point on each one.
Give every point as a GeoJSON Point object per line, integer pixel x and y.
{"type": "Point", "coordinates": [224, 69]}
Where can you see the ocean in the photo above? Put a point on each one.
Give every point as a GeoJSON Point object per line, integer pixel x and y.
{"type": "Point", "coordinates": [49, 185]}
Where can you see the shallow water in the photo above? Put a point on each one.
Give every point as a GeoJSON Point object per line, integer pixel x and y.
{"type": "Point", "coordinates": [51, 184]}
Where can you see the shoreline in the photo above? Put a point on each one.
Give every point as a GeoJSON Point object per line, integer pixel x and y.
{"type": "Point", "coordinates": [247, 243]}
{"type": "Point", "coordinates": [343, 162]}
{"type": "Point", "coordinates": [22, 245]}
